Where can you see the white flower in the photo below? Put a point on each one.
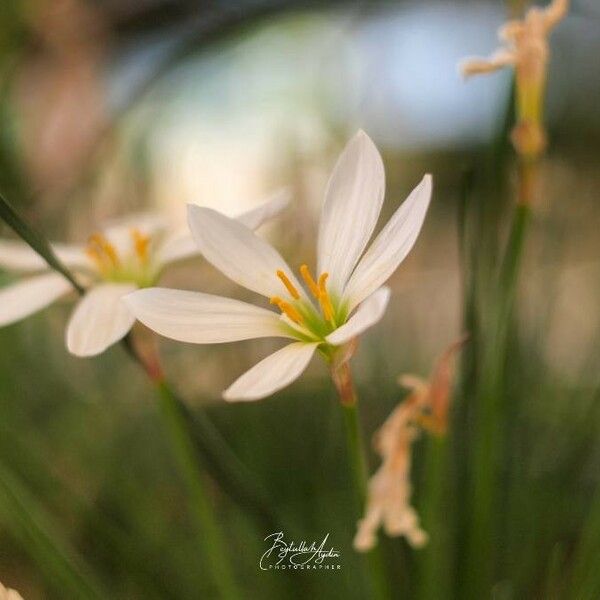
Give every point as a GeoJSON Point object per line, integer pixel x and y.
{"type": "Point", "coordinates": [128, 255]}
{"type": "Point", "coordinates": [344, 300]}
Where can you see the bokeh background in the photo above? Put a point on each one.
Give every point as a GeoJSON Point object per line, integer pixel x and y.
{"type": "Point", "coordinates": [111, 106]}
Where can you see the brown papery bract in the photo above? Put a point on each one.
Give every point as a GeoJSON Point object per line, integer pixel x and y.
{"type": "Point", "coordinates": [390, 489]}
{"type": "Point", "coordinates": [526, 48]}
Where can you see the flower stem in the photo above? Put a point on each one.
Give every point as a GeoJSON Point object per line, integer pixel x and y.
{"type": "Point", "coordinates": [509, 271]}
{"type": "Point", "coordinates": [185, 454]}
{"type": "Point", "coordinates": [212, 449]}
{"type": "Point", "coordinates": [494, 419]}
{"type": "Point", "coordinates": [342, 379]}
{"type": "Point", "coordinates": [354, 443]}
{"type": "Point", "coordinates": [202, 511]}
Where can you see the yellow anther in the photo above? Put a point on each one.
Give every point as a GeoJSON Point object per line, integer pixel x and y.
{"type": "Point", "coordinates": [141, 244]}
{"type": "Point", "coordinates": [93, 253]}
{"type": "Point", "coordinates": [102, 252]}
{"type": "Point", "coordinates": [324, 299]}
{"type": "Point", "coordinates": [323, 283]}
{"type": "Point", "coordinates": [287, 309]}
{"type": "Point", "coordinates": [288, 284]}
{"type": "Point", "coordinates": [310, 282]}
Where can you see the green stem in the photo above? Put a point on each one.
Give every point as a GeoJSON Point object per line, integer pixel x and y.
{"type": "Point", "coordinates": [185, 454]}
{"type": "Point", "coordinates": [32, 526]}
{"type": "Point", "coordinates": [226, 468]}
{"type": "Point", "coordinates": [433, 564]}
{"type": "Point", "coordinates": [494, 413]}
{"type": "Point", "coordinates": [509, 273]}
{"type": "Point", "coordinates": [356, 454]}
{"type": "Point", "coordinates": [217, 456]}
{"type": "Point", "coordinates": [342, 378]}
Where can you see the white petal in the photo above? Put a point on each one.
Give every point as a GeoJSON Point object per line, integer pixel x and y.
{"type": "Point", "coordinates": [21, 257]}
{"type": "Point", "coordinates": [24, 298]}
{"type": "Point", "coordinates": [272, 373]}
{"type": "Point", "coordinates": [202, 318]}
{"type": "Point", "coordinates": [148, 222]}
{"type": "Point", "coordinates": [391, 246]}
{"type": "Point", "coordinates": [238, 252]}
{"type": "Point", "coordinates": [100, 319]}
{"type": "Point", "coordinates": [352, 205]}
{"type": "Point", "coordinates": [178, 246]}
{"type": "Point", "coordinates": [73, 256]}
{"type": "Point", "coordinates": [367, 314]}
{"type": "Point", "coordinates": [181, 244]}
{"type": "Point", "coordinates": [119, 231]}
{"type": "Point", "coordinates": [276, 203]}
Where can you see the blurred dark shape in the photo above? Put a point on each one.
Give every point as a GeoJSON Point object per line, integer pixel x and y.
{"type": "Point", "coordinates": [59, 91]}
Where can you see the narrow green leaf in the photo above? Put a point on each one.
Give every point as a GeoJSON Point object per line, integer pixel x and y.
{"type": "Point", "coordinates": [30, 524]}
{"type": "Point", "coordinates": [36, 240]}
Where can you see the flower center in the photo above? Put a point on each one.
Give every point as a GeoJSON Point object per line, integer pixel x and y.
{"type": "Point", "coordinates": [296, 310]}
{"type": "Point", "coordinates": [112, 266]}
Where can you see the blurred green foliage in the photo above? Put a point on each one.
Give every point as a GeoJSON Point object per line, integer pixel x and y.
{"type": "Point", "coordinates": [510, 497]}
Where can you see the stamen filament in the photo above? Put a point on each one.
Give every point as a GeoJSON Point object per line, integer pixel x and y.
{"type": "Point", "coordinates": [310, 282]}
{"type": "Point", "coordinates": [287, 309]}
{"type": "Point", "coordinates": [324, 299]}
{"type": "Point", "coordinates": [102, 252]}
{"type": "Point", "coordinates": [288, 284]}
{"type": "Point", "coordinates": [141, 244]}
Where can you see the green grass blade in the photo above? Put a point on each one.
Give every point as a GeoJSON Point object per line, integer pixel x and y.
{"type": "Point", "coordinates": [31, 526]}
{"type": "Point", "coordinates": [36, 240]}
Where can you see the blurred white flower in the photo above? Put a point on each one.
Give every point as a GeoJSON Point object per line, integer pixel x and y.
{"type": "Point", "coordinates": [8, 594]}
{"type": "Point", "coordinates": [390, 490]}
{"type": "Point", "coordinates": [128, 255]}
{"type": "Point", "coordinates": [344, 300]}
